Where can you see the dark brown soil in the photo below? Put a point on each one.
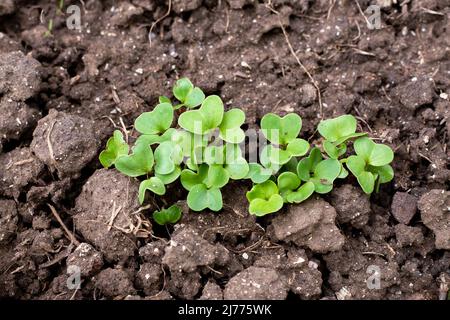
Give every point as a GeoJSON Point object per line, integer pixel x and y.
{"type": "Point", "coordinates": [61, 96]}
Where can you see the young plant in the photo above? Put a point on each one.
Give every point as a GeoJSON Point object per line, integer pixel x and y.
{"type": "Point", "coordinates": [115, 147]}
{"type": "Point", "coordinates": [370, 165]}
{"type": "Point", "coordinates": [283, 134]}
{"type": "Point", "coordinates": [203, 150]}
{"type": "Point", "coordinates": [170, 215]}
{"type": "Point", "coordinates": [264, 198]}
{"type": "Point", "coordinates": [336, 132]}
{"type": "Point", "coordinates": [187, 94]}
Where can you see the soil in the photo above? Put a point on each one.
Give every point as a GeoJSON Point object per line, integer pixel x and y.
{"type": "Point", "coordinates": [62, 95]}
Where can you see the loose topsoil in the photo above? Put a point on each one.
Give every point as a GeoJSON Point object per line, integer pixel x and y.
{"type": "Point", "coordinates": [63, 94]}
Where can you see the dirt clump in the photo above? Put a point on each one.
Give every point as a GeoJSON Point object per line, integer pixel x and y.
{"type": "Point", "coordinates": [408, 236]}
{"type": "Point", "coordinates": [212, 291]}
{"type": "Point", "coordinates": [256, 283]}
{"type": "Point", "coordinates": [20, 77]}
{"type": "Point", "coordinates": [434, 209]}
{"type": "Point", "coordinates": [351, 204]}
{"type": "Point", "coordinates": [104, 211]}
{"type": "Point", "coordinates": [311, 224]}
{"type": "Point", "coordinates": [114, 283]}
{"type": "Point", "coordinates": [149, 278]}
{"type": "Point", "coordinates": [65, 142]}
{"type": "Point", "coordinates": [404, 207]}
{"type": "Point", "coordinates": [85, 257]}
{"type": "Point", "coordinates": [18, 169]}
{"type": "Point", "coordinates": [8, 221]}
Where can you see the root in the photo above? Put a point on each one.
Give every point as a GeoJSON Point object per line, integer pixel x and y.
{"type": "Point", "coordinates": [69, 234]}
{"type": "Point", "coordinates": [159, 20]}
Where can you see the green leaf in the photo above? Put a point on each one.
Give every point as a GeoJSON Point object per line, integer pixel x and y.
{"type": "Point", "coordinates": [367, 181]}
{"type": "Point", "coordinates": [264, 198]}
{"type": "Point", "coordinates": [115, 147]}
{"type": "Point", "coordinates": [167, 156]}
{"type": "Point", "coordinates": [170, 177]}
{"type": "Point", "coordinates": [230, 130]}
{"type": "Point", "coordinates": [356, 165]}
{"type": "Point", "coordinates": [373, 153]}
{"type": "Point", "coordinates": [257, 173]}
{"type": "Point", "coordinates": [217, 176]}
{"type": "Point", "coordinates": [262, 191]}
{"type": "Point", "coordinates": [287, 182]}
{"type": "Point", "coordinates": [139, 163]}
{"type": "Point", "coordinates": [307, 165]}
{"type": "Point", "coordinates": [182, 88]}
{"type": "Point", "coordinates": [278, 156]}
{"type": "Point", "coordinates": [200, 198]}
{"type": "Point", "coordinates": [170, 215]}
{"type": "Point", "coordinates": [325, 173]}
{"type": "Point", "coordinates": [238, 169]}
{"type": "Point", "coordinates": [261, 207]}
{"type": "Point", "coordinates": [156, 121]}
{"type": "Point", "coordinates": [194, 98]}
{"type": "Point", "coordinates": [208, 117]}
{"type": "Point", "coordinates": [381, 155]}
{"type": "Point", "coordinates": [334, 129]}
{"type": "Point", "coordinates": [190, 178]}
{"type": "Point", "coordinates": [385, 173]}
{"type": "Point", "coordinates": [297, 147]}
{"type": "Point", "coordinates": [344, 173]}
{"type": "Point", "coordinates": [153, 184]}
{"type": "Point", "coordinates": [350, 136]}
{"type": "Point", "coordinates": [302, 193]}
{"type": "Point", "coordinates": [151, 139]}
{"type": "Point", "coordinates": [281, 130]}
{"type": "Point", "coordinates": [333, 151]}
{"type": "Point", "coordinates": [164, 99]}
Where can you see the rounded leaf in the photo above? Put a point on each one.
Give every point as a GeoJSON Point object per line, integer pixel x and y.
{"type": "Point", "coordinates": [260, 207]}
{"type": "Point", "coordinates": [238, 169]}
{"type": "Point", "coordinates": [230, 130]}
{"type": "Point", "coordinates": [281, 130]}
{"type": "Point", "coordinates": [167, 156]}
{"type": "Point", "coordinates": [115, 147]}
{"type": "Point", "coordinates": [156, 121]}
{"type": "Point", "coordinates": [288, 181]}
{"type": "Point", "coordinates": [200, 198]}
{"type": "Point", "coordinates": [333, 129]}
{"type": "Point", "coordinates": [367, 181]}
{"type": "Point", "coordinates": [381, 155]}
{"type": "Point", "coordinates": [356, 165]}
{"type": "Point", "coordinates": [139, 163]}
{"type": "Point", "coordinates": [262, 191]}
{"type": "Point", "coordinates": [257, 173]}
{"type": "Point", "coordinates": [190, 178]}
{"type": "Point", "coordinates": [194, 98]}
{"type": "Point", "coordinates": [182, 88]}
{"type": "Point", "coordinates": [170, 177]}
{"type": "Point", "coordinates": [217, 176]}
{"type": "Point", "coordinates": [153, 184]}
{"type": "Point", "coordinates": [298, 147]}
{"type": "Point", "coordinates": [303, 193]}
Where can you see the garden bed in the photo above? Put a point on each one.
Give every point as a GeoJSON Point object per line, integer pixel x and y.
{"type": "Point", "coordinates": [62, 94]}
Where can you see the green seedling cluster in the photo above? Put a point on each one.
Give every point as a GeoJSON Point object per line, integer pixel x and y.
{"type": "Point", "coordinates": [204, 151]}
{"type": "Point", "coordinates": [294, 179]}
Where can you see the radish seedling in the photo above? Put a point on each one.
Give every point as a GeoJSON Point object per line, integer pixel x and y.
{"type": "Point", "coordinates": [264, 198]}
{"type": "Point", "coordinates": [282, 133]}
{"type": "Point", "coordinates": [370, 165]}
{"type": "Point", "coordinates": [204, 152]}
